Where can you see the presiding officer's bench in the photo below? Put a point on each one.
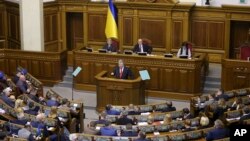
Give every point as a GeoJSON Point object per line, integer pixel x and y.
{"type": "Point", "coordinates": [174, 78]}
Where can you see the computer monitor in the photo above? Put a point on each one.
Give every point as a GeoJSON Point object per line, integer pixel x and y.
{"type": "Point", "coordinates": [102, 50]}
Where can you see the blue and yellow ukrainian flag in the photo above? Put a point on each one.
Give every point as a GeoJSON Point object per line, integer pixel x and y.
{"type": "Point", "coordinates": [111, 23]}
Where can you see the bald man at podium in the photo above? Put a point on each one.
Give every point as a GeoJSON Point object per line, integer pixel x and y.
{"type": "Point", "coordinates": [122, 72]}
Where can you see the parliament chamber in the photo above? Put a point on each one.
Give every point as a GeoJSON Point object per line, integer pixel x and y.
{"type": "Point", "coordinates": [174, 105]}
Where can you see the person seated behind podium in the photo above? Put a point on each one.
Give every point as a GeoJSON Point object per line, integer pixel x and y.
{"type": "Point", "coordinates": [184, 50]}
{"type": "Point", "coordinates": [109, 46]}
{"type": "Point", "coordinates": [121, 71]}
{"type": "Point", "coordinates": [140, 47]}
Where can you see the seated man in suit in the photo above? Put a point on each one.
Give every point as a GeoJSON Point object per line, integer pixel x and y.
{"type": "Point", "coordinates": [18, 74]}
{"type": "Point", "coordinates": [129, 132]}
{"type": "Point", "coordinates": [184, 50]}
{"type": "Point", "coordinates": [141, 137]}
{"type": "Point", "coordinates": [23, 85]}
{"type": "Point", "coordinates": [52, 102]}
{"type": "Point", "coordinates": [169, 107]}
{"type": "Point", "coordinates": [140, 47]}
{"type": "Point", "coordinates": [39, 123]}
{"type": "Point", "coordinates": [109, 46]}
{"type": "Point", "coordinates": [122, 72]}
{"type": "Point", "coordinates": [124, 120]}
{"type": "Point", "coordinates": [246, 114]}
{"type": "Point", "coordinates": [186, 113]}
{"type": "Point", "coordinates": [108, 130]}
{"type": "Point", "coordinates": [111, 111]}
{"type": "Point", "coordinates": [219, 132]}
{"type": "Point", "coordinates": [6, 97]}
{"type": "Point", "coordinates": [220, 94]}
{"type": "Point", "coordinates": [31, 109]}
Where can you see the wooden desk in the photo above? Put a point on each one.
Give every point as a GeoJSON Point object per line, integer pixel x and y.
{"type": "Point", "coordinates": [170, 77]}
{"type": "Point", "coordinates": [235, 74]}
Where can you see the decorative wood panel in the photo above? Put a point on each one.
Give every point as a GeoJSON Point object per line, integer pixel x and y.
{"type": "Point", "coordinates": [198, 34]}
{"type": "Point", "coordinates": [216, 35]}
{"type": "Point", "coordinates": [96, 27]}
{"type": "Point", "coordinates": [47, 67]}
{"type": "Point", "coordinates": [155, 30]}
{"type": "Point", "coordinates": [177, 32]}
{"type": "Point", "coordinates": [51, 32]}
{"type": "Point", "coordinates": [2, 26]}
{"type": "Point", "coordinates": [128, 31]}
{"type": "Point", "coordinates": [168, 77]}
{"type": "Point", "coordinates": [235, 74]}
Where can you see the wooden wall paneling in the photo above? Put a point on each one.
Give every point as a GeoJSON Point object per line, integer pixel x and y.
{"type": "Point", "coordinates": [94, 33]}
{"type": "Point", "coordinates": [199, 33]}
{"type": "Point", "coordinates": [48, 71]}
{"type": "Point", "coordinates": [12, 65]}
{"type": "Point", "coordinates": [177, 33]}
{"type": "Point", "coordinates": [128, 31]}
{"type": "Point", "coordinates": [51, 31]}
{"type": "Point", "coordinates": [216, 32]}
{"type": "Point", "coordinates": [183, 80]}
{"type": "Point", "coordinates": [35, 67]}
{"type": "Point", "coordinates": [154, 83]}
{"type": "Point", "coordinates": [2, 26]}
{"type": "Point", "coordinates": [2, 65]}
{"type": "Point", "coordinates": [168, 79]}
{"type": "Point", "coordinates": [24, 63]}
{"type": "Point", "coordinates": [157, 34]}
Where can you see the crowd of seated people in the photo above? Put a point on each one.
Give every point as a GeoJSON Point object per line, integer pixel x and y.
{"type": "Point", "coordinates": [22, 110]}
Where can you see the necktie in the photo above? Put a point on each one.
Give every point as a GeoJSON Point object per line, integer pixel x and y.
{"type": "Point", "coordinates": [141, 48]}
{"type": "Point", "coordinates": [120, 72]}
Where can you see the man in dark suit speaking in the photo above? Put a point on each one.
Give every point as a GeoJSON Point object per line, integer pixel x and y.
{"type": "Point", "coordinates": [140, 47]}
{"type": "Point", "coordinates": [122, 72]}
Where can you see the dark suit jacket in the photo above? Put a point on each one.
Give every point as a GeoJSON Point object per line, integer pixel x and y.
{"type": "Point", "coordinates": [146, 48]}
{"type": "Point", "coordinates": [125, 74]}
{"type": "Point", "coordinates": [124, 121]}
{"type": "Point", "coordinates": [112, 112]}
{"type": "Point", "coordinates": [31, 112]}
{"type": "Point", "coordinates": [224, 96]}
{"type": "Point", "coordinates": [217, 133]}
{"type": "Point", "coordinates": [52, 103]}
{"type": "Point", "coordinates": [129, 134]}
{"type": "Point", "coordinates": [20, 122]}
{"type": "Point", "coordinates": [22, 85]}
{"type": "Point", "coordinates": [108, 131]}
{"type": "Point", "coordinates": [34, 98]}
{"type": "Point", "coordinates": [111, 48]}
{"type": "Point", "coordinates": [8, 101]}
{"type": "Point", "coordinates": [244, 117]}
{"type": "Point", "coordinates": [168, 109]}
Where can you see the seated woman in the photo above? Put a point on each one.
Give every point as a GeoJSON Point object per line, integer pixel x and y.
{"type": "Point", "coordinates": [184, 50]}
